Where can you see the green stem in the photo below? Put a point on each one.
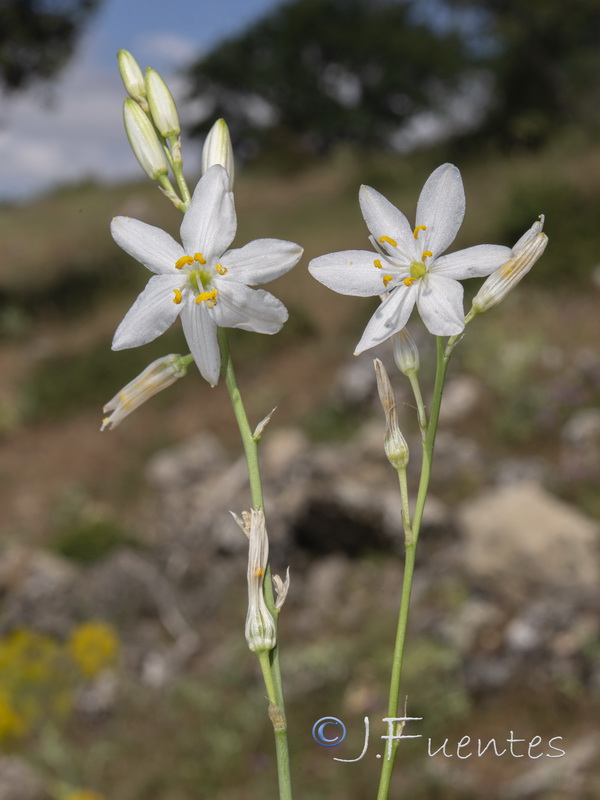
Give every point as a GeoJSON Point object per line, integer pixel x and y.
{"type": "Point", "coordinates": [275, 685]}
{"type": "Point", "coordinates": [409, 563]}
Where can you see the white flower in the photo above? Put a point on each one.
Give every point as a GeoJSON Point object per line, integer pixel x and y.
{"type": "Point", "coordinates": [409, 266]}
{"type": "Point", "coordinates": [201, 279]}
{"type": "Point", "coordinates": [218, 149]}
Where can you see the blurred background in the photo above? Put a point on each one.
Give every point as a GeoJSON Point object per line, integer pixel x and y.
{"type": "Point", "coordinates": [123, 668]}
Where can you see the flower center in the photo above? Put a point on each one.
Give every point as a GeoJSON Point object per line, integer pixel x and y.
{"type": "Point", "coordinates": [417, 270]}
{"type": "Point", "coordinates": [198, 280]}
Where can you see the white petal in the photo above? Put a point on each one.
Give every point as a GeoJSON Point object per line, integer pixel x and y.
{"type": "Point", "coordinates": [350, 272]}
{"type": "Point", "coordinates": [441, 208]}
{"type": "Point", "coordinates": [238, 306]}
{"type": "Point", "coordinates": [201, 335]}
{"type": "Point", "coordinates": [391, 316]}
{"type": "Point", "coordinates": [261, 261]}
{"type": "Point", "coordinates": [384, 219]}
{"type": "Point", "coordinates": [151, 246]}
{"type": "Point", "coordinates": [209, 224]}
{"type": "Point", "coordinates": [440, 304]}
{"type": "Point", "coordinates": [152, 313]}
{"type": "Point", "coordinates": [473, 262]}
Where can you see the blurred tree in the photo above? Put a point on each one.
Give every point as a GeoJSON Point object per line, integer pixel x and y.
{"type": "Point", "coordinates": [544, 59]}
{"type": "Point", "coordinates": [37, 37]}
{"type": "Point", "coordinates": [315, 72]}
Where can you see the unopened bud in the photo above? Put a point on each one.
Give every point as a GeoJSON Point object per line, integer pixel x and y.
{"type": "Point", "coordinates": [406, 354]}
{"type": "Point", "coordinates": [157, 376]}
{"type": "Point", "coordinates": [162, 105]}
{"type": "Point", "coordinates": [218, 150]}
{"type": "Point", "coordinates": [133, 77]}
{"type": "Point", "coordinates": [261, 633]}
{"type": "Point", "coordinates": [394, 443]}
{"type": "Point", "coordinates": [525, 253]}
{"type": "Point", "coordinates": [144, 141]}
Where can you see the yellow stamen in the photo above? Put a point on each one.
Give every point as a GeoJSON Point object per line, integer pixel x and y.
{"type": "Point", "coordinates": [221, 269]}
{"type": "Point", "coordinates": [177, 298]}
{"type": "Point", "coordinates": [210, 298]}
{"type": "Point", "coordinates": [387, 279]}
{"type": "Point", "coordinates": [426, 254]}
{"type": "Point", "coordinates": [199, 258]}
{"type": "Point", "coordinates": [258, 572]}
{"type": "Point", "coordinates": [417, 229]}
{"type": "Point", "coordinates": [183, 261]}
{"type": "Point", "coordinates": [409, 281]}
{"type": "Point", "coordinates": [389, 240]}
{"type": "Point", "coordinates": [377, 263]}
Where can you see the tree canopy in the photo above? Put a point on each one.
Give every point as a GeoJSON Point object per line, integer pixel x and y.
{"type": "Point", "coordinates": [37, 37]}
{"type": "Point", "coordinates": [315, 72]}
{"type": "Point", "coordinates": [319, 71]}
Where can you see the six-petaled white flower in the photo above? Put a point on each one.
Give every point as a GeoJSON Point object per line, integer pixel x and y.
{"type": "Point", "coordinates": [409, 266]}
{"type": "Point", "coordinates": [200, 279]}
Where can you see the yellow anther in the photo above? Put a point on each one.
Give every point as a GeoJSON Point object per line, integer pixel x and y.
{"type": "Point", "coordinates": [417, 229]}
{"type": "Point", "coordinates": [389, 240]}
{"type": "Point", "coordinates": [199, 258]}
{"type": "Point", "coordinates": [210, 298]}
{"type": "Point", "coordinates": [183, 261]}
{"type": "Point", "coordinates": [409, 281]}
{"type": "Point", "coordinates": [177, 298]}
{"type": "Point", "coordinates": [426, 254]}
{"type": "Point", "coordinates": [258, 572]}
{"type": "Point", "coordinates": [221, 269]}
{"type": "Point", "coordinates": [377, 263]}
{"type": "Point", "coordinates": [387, 279]}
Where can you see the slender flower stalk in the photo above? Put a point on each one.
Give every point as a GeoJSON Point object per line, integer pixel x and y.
{"type": "Point", "coordinates": [409, 564]}
{"type": "Point", "coordinates": [269, 661]}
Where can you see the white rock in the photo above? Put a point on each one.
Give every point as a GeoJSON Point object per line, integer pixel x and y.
{"type": "Point", "coordinates": [519, 538]}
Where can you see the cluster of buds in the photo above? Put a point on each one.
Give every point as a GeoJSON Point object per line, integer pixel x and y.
{"type": "Point", "coordinates": [149, 113]}
{"type": "Point", "coordinates": [153, 129]}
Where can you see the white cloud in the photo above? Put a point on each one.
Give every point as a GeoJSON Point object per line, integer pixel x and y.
{"type": "Point", "coordinates": [171, 48]}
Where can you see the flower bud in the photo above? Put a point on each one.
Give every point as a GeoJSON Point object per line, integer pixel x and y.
{"type": "Point", "coordinates": [162, 105]}
{"type": "Point", "coordinates": [144, 141]}
{"type": "Point", "coordinates": [157, 376]}
{"type": "Point", "coordinates": [261, 633]}
{"type": "Point", "coordinates": [218, 150]}
{"type": "Point", "coordinates": [525, 253]}
{"type": "Point", "coordinates": [133, 77]}
{"type": "Point", "coordinates": [406, 354]}
{"type": "Point", "coordinates": [394, 443]}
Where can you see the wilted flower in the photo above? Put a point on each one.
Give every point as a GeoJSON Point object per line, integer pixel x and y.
{"type": "Point", "coordinates": [157, 376]}
{"type": "Point", "coordinates": [261, 633]}
{"type": "Point", "coordinates": [394, 443]}
{"type": "Point", "coordinates": [409, 267]}
{"type": "Point", "coordinates": [524, 255]}
{"type": "Point", "coordinates": [201, 279]}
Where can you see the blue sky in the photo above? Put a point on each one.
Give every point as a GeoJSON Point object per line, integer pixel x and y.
{"type": "Point", "coordinates": [73, 129]}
